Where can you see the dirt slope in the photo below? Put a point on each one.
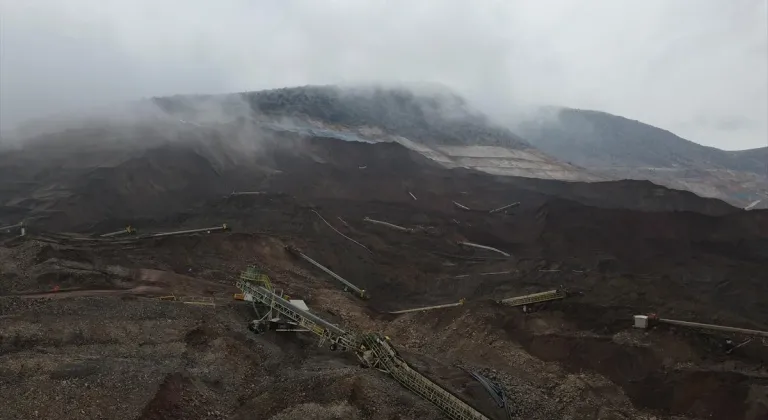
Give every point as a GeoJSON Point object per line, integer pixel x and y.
{"type": "Point", "coordinates": [106, 337]}
{"type": "Point", "coordinates": [118, 182]}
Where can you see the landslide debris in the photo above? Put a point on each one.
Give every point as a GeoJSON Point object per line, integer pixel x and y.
{"type": "Point", "coordinates": [84, 335]}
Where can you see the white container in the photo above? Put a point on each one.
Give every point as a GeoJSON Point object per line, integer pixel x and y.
{"type": "Point", "coordinates": [641, 321]}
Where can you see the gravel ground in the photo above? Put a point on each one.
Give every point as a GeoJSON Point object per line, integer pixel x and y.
{"type": "Point", "coordinates": [106, 347]}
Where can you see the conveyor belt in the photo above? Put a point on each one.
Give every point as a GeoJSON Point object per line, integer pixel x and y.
{"type": "Point", "coordinates": [429, 308]}
{"type": "Point", "coordinates": [185, 232]}
{"type": "Point", "coordinates": [535, 298]}
{"type": "Point", "coordinates": [347, 285]}
{"type": "Point", "coordinates": [387, 359]}
{"type": "Point", "coordinates": [371, 348]}
{"type": "Point", "coordinates": [311, 322]}
{"type": "Point", "coordinates": [129, 230]}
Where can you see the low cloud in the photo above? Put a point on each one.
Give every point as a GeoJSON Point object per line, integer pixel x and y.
{"type": "Point", "coordinates": [664, 62]}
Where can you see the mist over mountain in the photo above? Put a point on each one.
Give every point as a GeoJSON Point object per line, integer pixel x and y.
{"type": "Point", "coordinates": [372, 210]}
{"type": "Point", "coordinates": [576, 144]}
{"type": "Point", "coordinates": [553, 143]}
{"type": "Point", "coordinates": [428, 116]}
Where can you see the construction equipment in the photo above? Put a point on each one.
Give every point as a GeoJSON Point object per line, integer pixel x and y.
{"type": "Point", "coordinates": [753, 204]}
{"type": "Point", "coordinates": [347, 285]}
{"type": "Point", "coordinates": [531, 299]}
{"type": "Point", "coordinates": [730, 347]}
{"type": "Point", "coordinates": [21, 226]}
{"type": "Point", "coordinates": [127, 231]}
{"type": "Point", "coordinates": [389, 225]}
{"type": "Point", "coordinates": [337, 231]}
{"type": "Point", "coordinates": [461, 206]}
{"type": "Point", "coordinates": [646, 321]}
{"type": "Point", "coordinates": [487, 248]}
{"type": "Point", "coordinates": [223, 227]}
{"type": "Point", "coordinates": [256, 276]}
{"type": "Point", "coordinates": [495, 391]}
{"type": "Point", "coordinates": [508, 206]}
{"type": "Point", "coordinates": [429, 308]}
{"type": "Point", "coordinates": [372, 349]}
{"type": "Point", "coordinates": [7, 228]}
{"type": "Point", "coordinates": [236, 193]}
{"type": "Point", "coordinates": [377, 352]}
{"type": "Point", "coordinates": [273, 310]}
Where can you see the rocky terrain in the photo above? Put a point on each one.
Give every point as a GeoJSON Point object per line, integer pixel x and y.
{"type": "Point", "coordinates": [551, 143]}
{"type": "Point", "coordinates": [554, 143]}
{"type": "Point", "coordinates": [84, 332]}
{"type": "Point", "coordinates": [431, 120]}
{"type": "Point", "coordinates": [620, 148]}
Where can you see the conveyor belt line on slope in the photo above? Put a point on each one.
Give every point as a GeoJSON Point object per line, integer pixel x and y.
{"type": "Point", "coordinates": [513, 205]}
{"type": "Point", "coordinates": [128, 230]}
{"type": "Point", "coordinates": [428, 308]}
{"type": "Point", "coordinates": [714, 327]}
{"type": "Point", "coordinates": [12, 226]}
{"type": "Point", "coordinates": [451, 405]}
{"type": "Point", "coordinates": [535, 298]}
{"type": "Point", "coordinates": [360, 292]}
{"type": "Point", "coordinates": [645, 321]}
{"type": "Point", "coordinates": [385, 356]}
{"type": "Point", "coordinates": [184, 232]}
{"type": "Point", "coordinates": [489, 386]}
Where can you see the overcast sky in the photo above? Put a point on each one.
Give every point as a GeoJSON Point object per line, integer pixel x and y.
{"type": "Point", "coordinates": [698, 68]}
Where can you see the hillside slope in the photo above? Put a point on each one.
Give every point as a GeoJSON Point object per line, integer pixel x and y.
{"type": "Point", "coordinates": [618, 147]}
{"type": "Point", "coordinates": [755, 158]}
{"type": "Point", "coordinates": [429, 118]}
{"type": "Point", "coordinates": [97, 178]}
{"type": "Point", "coordinates": [436, 123]}
{"type": "Point", "coordinates": [85, 326]}
{"type": "Point", "coordinates": [82, 322]}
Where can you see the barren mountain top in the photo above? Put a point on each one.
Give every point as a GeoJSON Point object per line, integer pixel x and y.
{"type": "Point", "coordinates": [619, 147]}
{"type": "Point", "coordinates": [427, 116]}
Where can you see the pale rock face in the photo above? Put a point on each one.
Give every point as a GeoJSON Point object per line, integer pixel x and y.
{"type": "Point", "coordinates": [496, 160]}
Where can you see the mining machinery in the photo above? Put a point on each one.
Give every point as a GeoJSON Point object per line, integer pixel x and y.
{"type": "Point", "coordinates": [529, 302]}
{"type": "Point", "coordinates": [275, 310]}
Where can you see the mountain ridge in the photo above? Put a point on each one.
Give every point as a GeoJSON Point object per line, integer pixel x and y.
{"type": "Point", "coordinates": [617, 146]}
{"type": "Point", "coordinates": [440, 125]}
{"type": "Point", "coordinates": [445, 119]}
{"type": "Point", "coordinates": [558, 143]}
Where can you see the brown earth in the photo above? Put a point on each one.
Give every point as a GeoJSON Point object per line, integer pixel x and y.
{"type": "Point", "coordinates": [110, 349]}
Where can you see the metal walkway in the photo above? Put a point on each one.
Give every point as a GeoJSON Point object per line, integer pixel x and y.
{"type": "Point", "coordinates": [535, 298]}
{"type": "Point", "coordinates": [129, 230]}
{"type": "Point", "coordinates": [373, 350]}
{"type": "Point", "coordinates": [384, 357]}
{"type": "Point", "coordinates": [273, 304]}
{"type": "Point", "coordinates": [347, 284]}
{"type": "Point", "coordinates": [223, 227]}
{"type": "Point", "coordinates": [21, 226]}
{"type": "Point", "coordinates": [429, 308]}
{"type": "Point", "coordinates": [646, 321]}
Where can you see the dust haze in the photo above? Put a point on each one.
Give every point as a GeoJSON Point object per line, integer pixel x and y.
{"type": "Point", "coordinates": [698, 68]}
